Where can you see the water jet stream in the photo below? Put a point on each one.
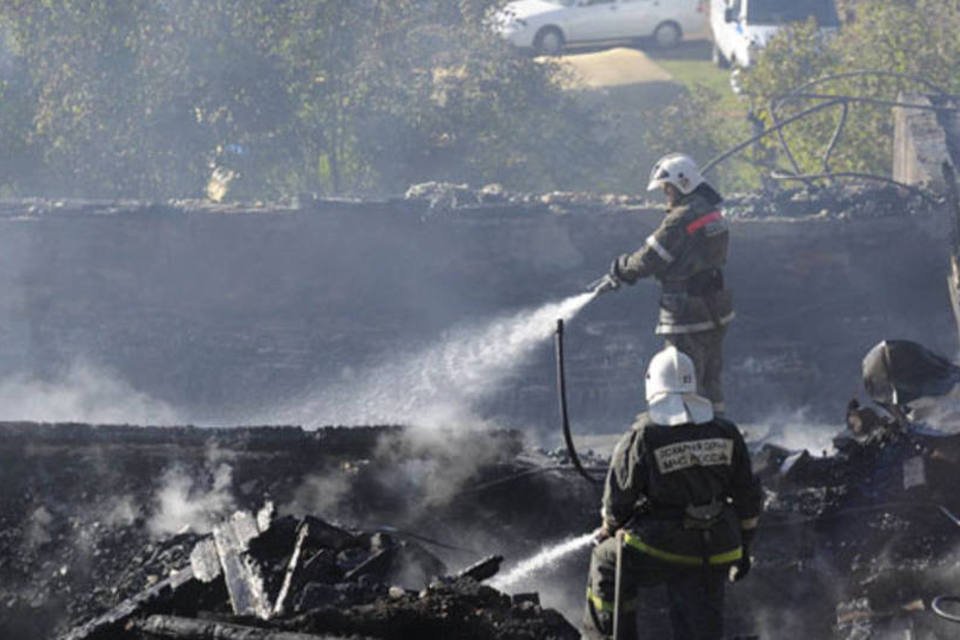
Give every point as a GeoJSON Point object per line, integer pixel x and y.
{"type": "Point", "coordinates": [546, 558]}
{"type": "Point", "coordinates": [442, 383]}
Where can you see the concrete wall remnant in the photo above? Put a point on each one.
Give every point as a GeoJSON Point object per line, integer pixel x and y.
{"type": "Point", "coordinates": [229, 313]}
{"type": "Point", "coordinates": [923, 140]}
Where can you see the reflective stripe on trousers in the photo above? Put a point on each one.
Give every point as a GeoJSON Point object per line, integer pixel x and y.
{"type": "Point", "coordinates": [606, 606]}
{"type": "Point", "coordinates": [697, 327]}
{"type": "Point", "coordinates": [727, 557]}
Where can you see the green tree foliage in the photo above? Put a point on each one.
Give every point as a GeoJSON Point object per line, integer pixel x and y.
{"type": "Point", "coordinates": [911, 37]}
{"type": "Point", "coordinates": [700, 124]}
{"type": "Point", "coordinates": [144, 97]}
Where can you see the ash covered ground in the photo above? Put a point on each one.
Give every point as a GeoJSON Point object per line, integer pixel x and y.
{"type": "Point", "coordinates": [95, 515]}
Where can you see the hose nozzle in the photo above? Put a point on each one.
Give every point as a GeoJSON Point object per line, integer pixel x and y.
{"type": "Point", "coordinates": [603, 285]}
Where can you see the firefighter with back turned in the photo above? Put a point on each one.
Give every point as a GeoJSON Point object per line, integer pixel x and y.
{"type": "Point", "coordinates": [680, 508]}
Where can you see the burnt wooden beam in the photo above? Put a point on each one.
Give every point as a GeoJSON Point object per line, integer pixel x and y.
{"type": "Point", "coordinates": [177, 628]}
{"type": "Point", "coordinates": [245, 585]}
{"type": "Point", "coordinates": [110, 624]}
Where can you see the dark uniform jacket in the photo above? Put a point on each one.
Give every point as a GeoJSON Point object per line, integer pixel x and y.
{"type": "Point", "coordinates": [686, 254]}
{"type": "Point", "coordinates": [658, 471]}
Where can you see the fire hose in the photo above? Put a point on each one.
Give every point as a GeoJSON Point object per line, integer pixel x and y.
{"type": "Point", "coordinates": [564, 416]}
{"type": "Point", "coordinates": [937, 603]}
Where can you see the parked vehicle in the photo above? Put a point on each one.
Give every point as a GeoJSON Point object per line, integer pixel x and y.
{"type": "Point", "coordinates": [547, 26]}
{"type": "Point", "coordinates": [741, 28]}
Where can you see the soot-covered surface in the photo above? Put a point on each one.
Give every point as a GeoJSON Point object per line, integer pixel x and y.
{"type": "Point", "coordinates": [92, 515]}
{"type": "Point", "coordinates": [850, 543]}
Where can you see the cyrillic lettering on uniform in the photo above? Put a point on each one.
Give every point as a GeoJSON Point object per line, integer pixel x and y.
{"type": "Point", "coordinates": [695, 453]}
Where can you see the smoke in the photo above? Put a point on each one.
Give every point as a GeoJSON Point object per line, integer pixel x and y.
{"type": "Point", "coordinates": [37, 530]}
{"type": "Point", "coordinates": [119, 511]}
{"type": "Point", "coordinates": [322, 494]}
{"type": "Point", "coordinates": [83, 393]}
{"type": "Point", "coordinates": [940, 412]}
{"type": "Point", "coordinates": [434, 464]}
{"type": "Point", "coordinates": [444, 383]}
{"type": "Point", "coordinates": [410, 474]}
{"type": "Point", "coordinates": [793, 429]}
{"type": "Point", "coordinates": [185, 503]}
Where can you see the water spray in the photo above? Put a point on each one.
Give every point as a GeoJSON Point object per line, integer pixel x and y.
{"type": "Point", "coordinates": [443, 383]}
{"type": "Point", "coordinates": [546, 558]}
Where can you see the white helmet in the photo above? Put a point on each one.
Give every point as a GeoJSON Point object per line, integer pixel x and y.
{"type": "Point", "coordinates": [677, 169]}
{"type": "Point", "coordinates": [672, 390]}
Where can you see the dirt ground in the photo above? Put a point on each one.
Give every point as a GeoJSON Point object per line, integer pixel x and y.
{"type": "Point", "coordinates": [612, 68]}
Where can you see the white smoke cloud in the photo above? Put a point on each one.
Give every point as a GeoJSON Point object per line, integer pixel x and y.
{"type": "Point", "coordinates": [321, 494]}
{"type": "Point", "coordinates": [444, 383]}
{"type": "Point", "coordinates": [435, 464]}
{"type": "Point", "coordinates": [184, 503]}
{"type": "Point", "coordinates": [793, 429]}
{"type": "Point", "coordinates": [83, 393]}
{"type": "Point", "coordinates": [37, 529]}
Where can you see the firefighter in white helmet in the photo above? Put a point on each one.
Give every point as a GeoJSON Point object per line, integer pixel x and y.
{"type": "Point", "coordinates": [680, 503]}
{"type": "Point", "coordinates": [686, 254]}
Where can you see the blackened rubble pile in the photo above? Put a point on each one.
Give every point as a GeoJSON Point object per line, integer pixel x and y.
{"type": "Point", "coordinates": [839, 201]}
{"type": "Point", "coordinates": [91, 515]}
{"type": "Point", "coordinates": [871, 528]}
{"type": "Point", "coordinates": [257, 577]}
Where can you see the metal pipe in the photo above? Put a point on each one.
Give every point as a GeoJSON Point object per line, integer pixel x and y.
{"type": "Point", "coordinates": [772, 108]}
{"type": "Point", "coordinates": [746, 143]}
{"type": "Point", "coordinates": [800, 93]}
{"type": "Point", "coordinates": [854, 174]}
{"type": "Point", "coordinates": [863, 73]}
{"type": "Point", "coordinates": [836, 136]}
{"type": "Point", "coordinates": [880, 102]}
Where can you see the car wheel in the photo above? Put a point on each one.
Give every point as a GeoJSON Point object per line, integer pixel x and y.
{"type": "Point", "coordinates": [667, 35]}
{"type": "Point", "coordinates": [549, 41]}
{"type": "Point", "coordinates": [718, 59]}
{"type": "Point", "coordinates": [736, 84]}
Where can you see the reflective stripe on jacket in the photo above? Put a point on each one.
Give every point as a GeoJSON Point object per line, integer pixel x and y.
{"type": "Point", "coordinates": [657, 472]}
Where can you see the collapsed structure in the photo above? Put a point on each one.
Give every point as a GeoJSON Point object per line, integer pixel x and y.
{"type": "Point", "coordinates": [303, 578]}
{"type": "Point", "coordinates": [108, 530]}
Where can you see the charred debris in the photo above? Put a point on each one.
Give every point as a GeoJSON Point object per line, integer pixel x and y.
{"type": "Point", "coordinates": [262, 577]}
{"type": "Point", "coordinates": [91, 545]}
{"type": "Point", "coordinates": [856, 543]}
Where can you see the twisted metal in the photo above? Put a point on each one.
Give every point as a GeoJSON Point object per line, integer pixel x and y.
{"type": "Point", "coordinates": [829, 101]}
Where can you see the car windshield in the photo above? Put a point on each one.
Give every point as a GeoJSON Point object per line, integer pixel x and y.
{"type": "Point", "coordinates": [776, 12]}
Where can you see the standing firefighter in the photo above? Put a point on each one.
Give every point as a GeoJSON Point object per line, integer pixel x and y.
{"type": "Point", "coordinates": [680, 508]}
{"type": "Point", "coordinates": [686, 254]}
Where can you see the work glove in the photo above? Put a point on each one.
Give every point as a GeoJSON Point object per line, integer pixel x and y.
{"type": "Point", "coordinates": [609, 282]}
{"type": "Point", "coordinates": [615, 272]}
{"type": "Point", "coordinates": [601, 534]}
{"type": "Point", "coordinates": [740, 569]}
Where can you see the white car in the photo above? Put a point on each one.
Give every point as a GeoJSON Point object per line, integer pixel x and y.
{"type": "Point", "coordinates": [741, 28]}
{"type": "Point", "coordinates": [547, 26]}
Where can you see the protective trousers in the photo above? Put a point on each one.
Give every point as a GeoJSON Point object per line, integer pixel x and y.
{"type": "Point", "coordinates": [705, 348]}
{"type": "Point", "coordinates": [695, 595]}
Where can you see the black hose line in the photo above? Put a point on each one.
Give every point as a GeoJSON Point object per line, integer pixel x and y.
{"type": "Point", "coordinates": [564, 417]}
{"type": "Point", "coordinates": [937, 606]}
